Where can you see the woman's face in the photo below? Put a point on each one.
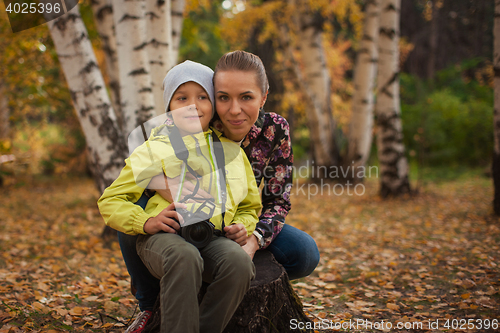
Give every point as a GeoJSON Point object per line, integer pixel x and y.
{"type": "Point", "coordinates": [238, 99]}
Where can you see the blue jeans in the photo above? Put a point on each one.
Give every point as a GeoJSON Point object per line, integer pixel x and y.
{"type": "Point", "coordinates": [294, 249]}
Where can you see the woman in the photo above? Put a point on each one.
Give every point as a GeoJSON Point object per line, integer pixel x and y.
{"type": "Point", "coordinates": [241, 89]}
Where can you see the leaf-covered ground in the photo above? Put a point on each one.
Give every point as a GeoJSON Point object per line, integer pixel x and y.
{"type": "Point", "coordinates": [422, 263]}
{"type": "Point", "coordinates": [426, 262]}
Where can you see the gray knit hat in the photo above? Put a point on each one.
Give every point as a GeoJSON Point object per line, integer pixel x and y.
{"type": "Point", "coordinates": [186, 72]}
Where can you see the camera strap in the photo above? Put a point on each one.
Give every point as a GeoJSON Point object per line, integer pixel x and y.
{"type": "Point", "coordinates": [220, 167]}
{"type": "Point", "coordinates": [182, 153]}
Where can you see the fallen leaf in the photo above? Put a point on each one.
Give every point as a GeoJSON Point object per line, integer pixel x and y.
{"type": "Point", "coordinates": [393, 306]}
{"type": "Point", "coordinates": [76, 311]}
{"type": "Point", "coordinates": [468, 284]}
{"type": "Point", "coordinates": [330, 286]}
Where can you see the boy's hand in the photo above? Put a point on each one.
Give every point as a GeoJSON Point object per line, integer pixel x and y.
{"type": "Point", "coordinates": [237, 232]}
{"type": "Point", "coordinates": [165, 221]}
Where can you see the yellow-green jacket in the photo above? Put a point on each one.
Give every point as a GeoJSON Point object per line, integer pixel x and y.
{"type": "Point", "coordinates": [156, 156]}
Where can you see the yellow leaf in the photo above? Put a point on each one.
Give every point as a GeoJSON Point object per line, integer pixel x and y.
{"type": "Point", "coordinates": [466, 296]}
{"type": "Point", "coordinates": [371, 274]}
{"type": "Point", "coordinates": [76, 311]}
{"type": "Point", "coordinates": [40, 307]}
{"type": "Point", "coordinates": [393, 306]}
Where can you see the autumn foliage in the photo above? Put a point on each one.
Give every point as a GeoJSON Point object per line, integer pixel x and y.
{"type": "Point", "coordinates": [430, 257]}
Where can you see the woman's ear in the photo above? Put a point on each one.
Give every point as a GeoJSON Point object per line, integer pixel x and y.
{"type": "Point", "coordinates": [264, 99]}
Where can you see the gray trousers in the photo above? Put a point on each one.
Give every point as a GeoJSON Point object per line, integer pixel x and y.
{"type": "Point", "coordinates": [181, 268]}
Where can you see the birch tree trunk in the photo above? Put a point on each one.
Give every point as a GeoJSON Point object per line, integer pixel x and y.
{"type": "Point", "coordinates": [103, 17]}
{"type": "Point", "coordinates": [318, 88]}
{"type": "Point", "coordinates": [136, 92]}
{"type": "Point", "coordinates": [177, 11]}
{"type": "Point", "coordinates": [391, 151]}
{"type": "Point", "coordinates": [304, 34]}
{"type": "Point", "coordinates": [159, 48]}
{"type": "Point", "coordinates": [105, 144]}
{"type": "Point", "coordinates": [496, 117]}
{"type": "Point", "coordinates": [361, 123]}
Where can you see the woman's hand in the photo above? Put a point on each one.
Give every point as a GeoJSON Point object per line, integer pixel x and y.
{"type": "Point", "coordinates": [167, 187]}
{"type": "Point", "coordinates": [160, 184]}
{"type": "Point", "coordinates": [251, 246]}
{"type": "Point", "coordinates": [165, 221]}
{"type": "Point", "coordinates": [237, 232]}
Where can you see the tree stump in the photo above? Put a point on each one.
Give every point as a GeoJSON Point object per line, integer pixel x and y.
{"type": "Point", "coordinates": [268, 306]}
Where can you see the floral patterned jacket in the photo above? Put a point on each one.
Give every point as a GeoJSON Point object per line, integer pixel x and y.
{"type": "Point", "coordinates": [269, 150]}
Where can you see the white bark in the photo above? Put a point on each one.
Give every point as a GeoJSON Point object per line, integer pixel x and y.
{"type": "Point", "coordinates": [318, 88]}
{"type": "Point", "coordinates": [105, 145]}
{"type": "Point", "coordinates": [159, 46]}
{"type": "Point", "coordinates": [103, 17]}
{"type": "Point", "coordinates": [136, 94]}
{"type": "Point", "coordinates": [392, 160]}
{"type": "Point", "coordinates": [313, 78]}
{"type": "Point", "coordinates": [361, 123]}
{"type": "Point", "coordinates": [177, 8]}
{"type": "Point", "coordinates": [304, 35]}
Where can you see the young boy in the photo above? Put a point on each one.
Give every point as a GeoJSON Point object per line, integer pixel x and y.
{"type": "Point", "coordinates": [180, 266]}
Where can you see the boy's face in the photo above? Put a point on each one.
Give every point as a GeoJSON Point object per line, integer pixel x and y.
{"type": "Point", "coordinates": [191, 108]}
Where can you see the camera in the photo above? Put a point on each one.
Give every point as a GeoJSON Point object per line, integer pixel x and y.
{"type": "Point", "coordinates": [198, 229]}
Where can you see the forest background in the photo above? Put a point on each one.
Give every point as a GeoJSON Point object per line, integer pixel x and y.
{"type": "Point", "coordinates": [447, 109]}
{"type": "Point", "coordinates": [430, 253]}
